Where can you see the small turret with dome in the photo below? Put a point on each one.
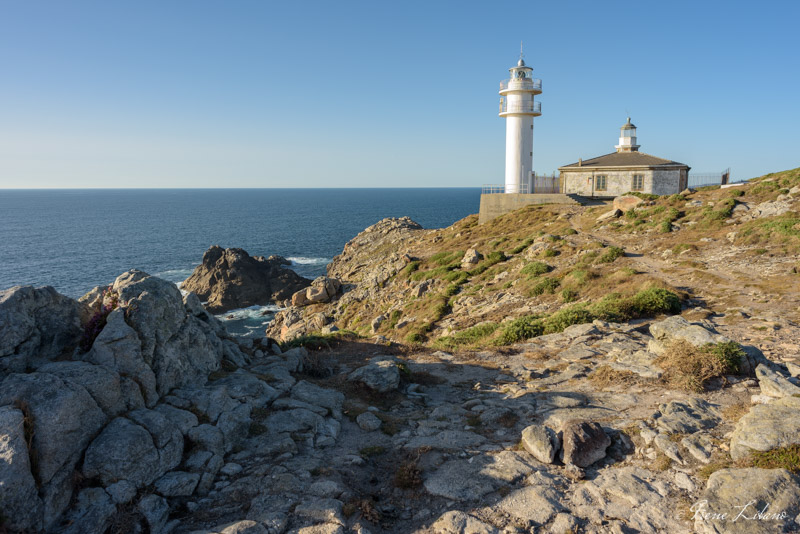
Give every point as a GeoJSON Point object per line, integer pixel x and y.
{"type": "Point", "coordinates": [627, 138]}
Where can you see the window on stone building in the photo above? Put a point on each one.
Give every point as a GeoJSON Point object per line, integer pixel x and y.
{"type": "Point", "coordinates": [600, 183]}
{"type": "Point", "coordinates": [638, 182]}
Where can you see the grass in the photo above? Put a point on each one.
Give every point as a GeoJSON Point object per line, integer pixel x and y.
{"type": "Point", "coordinates": [692, 368]}
{"type": "Point", "coordinates": [492, 259]}
{"type": "Point", "coordinates": [319, 341]}
{"type": "Point", "coordinates": [781, 458]}
{"type": "Point", "coordinates": [470, 336]}
{"type": "Point", "coordinates": [604, 376]}
{"type": "Point", "coordinates": [646, 302]}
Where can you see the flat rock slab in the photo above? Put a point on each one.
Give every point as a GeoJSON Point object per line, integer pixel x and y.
{"type": "Point", "coordinates": [538, 504]}
{"type": "Point", "coordinates": [773, 384]}
{"type": "Point", "coordinates": [687, 417]}
{"type": "Point", "coordinates": [632, 493]}
{"type": "Point", "coordinates": [469, 480]}
{"type": "Point", "coordinates": [448, 440]}
{"type": "Point", "coordinates": [731, 492]}
{"type": "Point", "coordinates": [766, 427]}
{"type": "Point", "coordinates": [456, 522]}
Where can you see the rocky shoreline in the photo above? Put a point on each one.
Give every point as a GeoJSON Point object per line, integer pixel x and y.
{"type": "Point", "coordinates": [133, 410]}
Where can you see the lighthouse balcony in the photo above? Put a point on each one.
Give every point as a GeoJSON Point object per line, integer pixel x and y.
{"type": "Point", "coordinates": [524, 108]}
{"type": "Point", "coordinates": [532, 85]}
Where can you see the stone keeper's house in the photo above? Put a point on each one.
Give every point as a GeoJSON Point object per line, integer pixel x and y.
{"type": "Point", "coordinates": [623, 171]}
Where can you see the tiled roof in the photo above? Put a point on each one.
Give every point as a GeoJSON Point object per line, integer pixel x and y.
{"type": "Point", "coordinates": [626, 159]}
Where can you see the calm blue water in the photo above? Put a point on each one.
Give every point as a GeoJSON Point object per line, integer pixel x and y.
{"type": "Point", "coordinates": [74, 240]}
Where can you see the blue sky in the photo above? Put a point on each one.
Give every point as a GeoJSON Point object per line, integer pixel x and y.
{"type": "Point", "coordinates": [371, 94]}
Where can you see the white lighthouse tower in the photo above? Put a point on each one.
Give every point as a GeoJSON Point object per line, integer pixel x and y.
{"type": "Point", "coordinates": [519, 108]}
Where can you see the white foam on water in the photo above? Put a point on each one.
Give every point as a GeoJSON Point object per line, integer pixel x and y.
{"type": "Point", "coordinates": [302, 260]}
{"type": "Point", "coordinates": [251, 312]}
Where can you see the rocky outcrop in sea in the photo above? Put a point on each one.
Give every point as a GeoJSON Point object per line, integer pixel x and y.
{"type": "Point", "coordinates": [230, 278]}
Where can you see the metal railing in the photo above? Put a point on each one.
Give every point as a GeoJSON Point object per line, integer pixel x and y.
{"type": "Point", "coordinates": [520, 107]}
{"type": "Point", "coordinates": [521, 83]}
{"type": "Point", "coordinates": [541, 185]}
{"type": "Point", "coordinates": [703, 179]}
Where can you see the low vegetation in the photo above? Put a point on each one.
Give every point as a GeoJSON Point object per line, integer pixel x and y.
{"type": "Point", "coordinates": [692, 368]}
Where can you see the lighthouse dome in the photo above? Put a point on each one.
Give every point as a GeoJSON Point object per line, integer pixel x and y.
{"type": "Point", "coordinates": [521, 62]}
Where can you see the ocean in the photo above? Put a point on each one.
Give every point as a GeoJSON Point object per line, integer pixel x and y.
{"type": "Point", "coordinates": [75, 240]}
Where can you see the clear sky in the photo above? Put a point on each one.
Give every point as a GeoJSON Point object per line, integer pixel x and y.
{"type": "Point", "coordinates": [370, 94]}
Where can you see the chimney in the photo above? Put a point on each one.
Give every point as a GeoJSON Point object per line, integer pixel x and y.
{"type": "Point", "coordinates": [580, 162]}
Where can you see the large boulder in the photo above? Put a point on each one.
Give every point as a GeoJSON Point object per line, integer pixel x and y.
{"type": "Point", "coordinates": [677, 329]}
{"type": "Point", "coordinates": [21, 505]}
{"type": "Point", "coordinates": [748, 501]}
{"type": "Point", "coordinates": [542, 442]}
{"type": "Point", "coordinates": [626, 203]}
{"type": "Point", "coordinates": [37, 325]}
{"type": "Point", "coordinates": [381, 374]}
{"type": "Point", "coordinates": [63, 419]}
{"type": "Point", "coordinates": [231, 278]}
{"type": "Point", "coordinates": [323, 289]}
{"type": "Point", "coordinates": [766, 427]}
{"type": "Point", "coordinates": [123, 451]}
{"type": "Point", "coordinates": [584, 443]}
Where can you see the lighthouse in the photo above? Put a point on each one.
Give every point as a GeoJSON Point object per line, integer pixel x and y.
{"type": "Point", "coordinates": [518, 107]}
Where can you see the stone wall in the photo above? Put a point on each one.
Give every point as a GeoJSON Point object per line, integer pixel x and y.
{"type": "Point", "coordinates": [619, 182]}
{"type": "Point", "coordinates": [495, 205]}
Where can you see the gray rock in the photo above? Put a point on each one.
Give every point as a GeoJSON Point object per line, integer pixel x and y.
{"type": "Point", "coordinates": [748, 491]}
{"type": "Point", "coordinates": [183, 420]}
{"type": "Point", "coordinates": [121, 492]}
{"type": "Point", "coordinates": [36, 325]}
{"type": "Point", "coordinates": [293, 404]}
{"type": "Point", "coordinates": [22, 508]}
{"type": "Point", "coordinates": [326, 488]}
{"type": "Point", "coordinates": [699, 445]}
{"type": "Point", "coordinates": [177, 484]}
{"type": "Point", "coordinates": [686, 417]}
{"type": "Point", "coordinates": [368, 421]}
{"type": "Point", "coordinates": [668, 447]}
{"type": "Point", "coordinates": [542, 442]}
{"type": "Point", "coordinates": [630, 492]}
{"type": "Point", "coordinates": [538, 504]}
{"type": "Point", "coordinates": [235, 426]}
{"type": "Point", "coordinates": [325, 528]}
{"type": "Point", "coordinates": [246, 387]}
{"type": "Point", "coordinates": [294, 422]}
{"type": "Point", "coordinates": [208, 437]}
{"type": "Point", "coordinates": [471, 258]}
{"type": "Point", "coordinates": [583, 443]}
{"type": "Point", "coordinates": [773, 384]}
{"type": "Point", "coordinates": [155, 511]}
{"type": "Point", "coordinates": [766, 427]}
{"type": "Point", "coordinates": [123, 450]}
{"type": "Point", "coordinates": [313, 394]}
{"type": "Point", "coordinates": [676, 328]}
{"type": "Point", "coordinates": [323, 510]}
{"type": "Point", "coordinates": [469, 480]}
{"type": "Point", "coordinates": [119, 348]}
{"type": "Point", "coordinates": [448, 440]}
{"type": "Point", "coordinates": [103, 385]}
{"type": "Point", "coordinates": [381, 375]}
{"type": "Point", "coordinates": [91, 513]}
{"type": "Point", "coordinates": [166, 437]}
{"type": "Point", "coordinates": [456, 522]}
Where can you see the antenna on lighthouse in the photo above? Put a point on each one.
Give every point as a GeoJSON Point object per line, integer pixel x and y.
{"type": "Point", "coordinates": [521, 55]}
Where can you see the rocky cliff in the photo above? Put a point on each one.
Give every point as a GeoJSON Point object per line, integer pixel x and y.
{"type": "Point", "coordinates": [230, 278]}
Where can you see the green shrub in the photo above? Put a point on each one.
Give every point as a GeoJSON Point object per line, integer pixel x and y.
{"type": "Point", "coordinates": [779, 458]}
{"type": "Point", "coordinates": [737, 193]}
{"type": "Point", "coordinates": [468, 336]}
{"type": "Point", "coordinates": [656, 300]}
{"type": "Point", "coordinates": [456, 277]}
{"type": "Point", "coordinates": [569, 295]}
{"type": "Point", "coordinates": [566, 317]}
{"type": "Point", "coordinates": [410, 268]}
{"type": "Point", "coordinates": [394, 317]}
{"type": "Point", "coordinates": [535, 268]}
{"type": "Point", "coordinates": [447, 258]}
{"type": "Point", "coordinates": [665, 227]}
{"type": "Point", "coordinates": [522, 246]}
{"type": "Point", "coordinates": [492, 259]}
{"type": "Point", "coordinates": [520, 329]}
{"type": "Point", "coordinates": [643, 196]}
{"type": "Point", "coordinates": [570, 231]}
{"type": "Point", "coordinates": [547, 285]}
{"type": "Point", "coordinates": [610, 255]}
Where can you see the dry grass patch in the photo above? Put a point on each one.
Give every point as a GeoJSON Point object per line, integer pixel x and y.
{"type": "Point", "coordinates": [604, 377]}
{"type": "Point", "coordinates": [735, 411]}
{"type": "Point", "coordinates": [691, 368]}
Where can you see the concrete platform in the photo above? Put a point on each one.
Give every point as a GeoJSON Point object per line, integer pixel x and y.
{"type": "Point", "coordinates": [497, 204]}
